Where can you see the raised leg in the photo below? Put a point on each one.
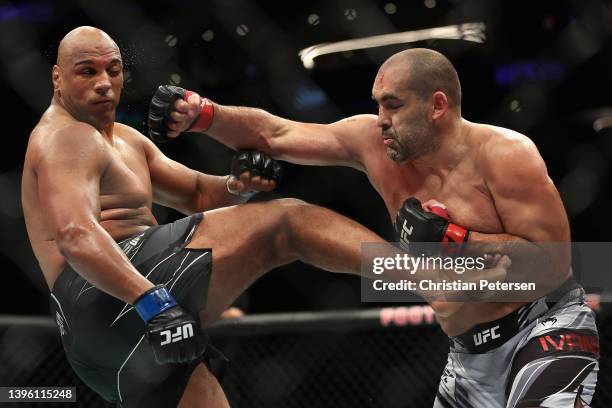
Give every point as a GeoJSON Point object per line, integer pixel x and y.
{"type": "Point", "coordinates": [249, 240]}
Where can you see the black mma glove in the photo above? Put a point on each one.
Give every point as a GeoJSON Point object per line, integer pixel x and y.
{"type": "Point", "coordinates": [173, 334]}
{"type": "Point", "coordinates": [162, 104]}
{"type": "Point", "coordinates": [257, 164]}
{"type": "Point", "coordinates": [414, 224]}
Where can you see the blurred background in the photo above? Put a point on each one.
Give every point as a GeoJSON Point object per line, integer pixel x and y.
{"type": "Point", "coordinates": [544, 69]}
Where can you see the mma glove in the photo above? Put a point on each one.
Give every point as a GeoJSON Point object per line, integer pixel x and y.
{"type": "Point", "coordinates": [173, 334]}
{"type": "Point", "coordinates": [414, 224]}
{"type": "Point", "coordinates": [162, 105]}
{"type": "Point", "coordinates": [257, 164]}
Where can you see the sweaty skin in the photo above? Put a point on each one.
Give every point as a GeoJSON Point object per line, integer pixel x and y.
{"type": "Point", "coordinates": [87, 181]}
{"type": "Point", "coordinates": [492, 180]}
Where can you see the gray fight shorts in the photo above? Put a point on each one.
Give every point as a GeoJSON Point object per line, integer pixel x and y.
{"type": "Point", "coordinates": [544, 354]}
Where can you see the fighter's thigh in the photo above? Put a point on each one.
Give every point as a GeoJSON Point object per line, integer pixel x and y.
{"type": "Point", "coordinates": [238, 228]}
{"type": "Point", "coordinates": [203, 391]}
{"type": "Point", "coordinates": [558, 369]}
{"type": "Point", "coordinates": [246, 241]}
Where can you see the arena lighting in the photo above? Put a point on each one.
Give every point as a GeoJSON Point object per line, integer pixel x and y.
{"type": "Point", "coordinates": [27, 11]}
{"type": "Point", "coordinates": [468, 32]}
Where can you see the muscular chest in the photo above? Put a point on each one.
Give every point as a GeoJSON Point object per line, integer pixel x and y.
{"type": "Point", "coordinates": [126, 183]}
{"type": "Point", "coordinates": [463, 191]}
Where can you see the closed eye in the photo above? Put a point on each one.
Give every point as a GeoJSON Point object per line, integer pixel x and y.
{"type": "Point", "coordinates": [392, 107]}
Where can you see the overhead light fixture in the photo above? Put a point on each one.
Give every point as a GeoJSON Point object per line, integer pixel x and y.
{"type": "Point", "coordinates": [473, 32]}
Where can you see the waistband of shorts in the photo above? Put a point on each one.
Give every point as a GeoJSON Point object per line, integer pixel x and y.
{"type": "Point", "coordinates": [487, 336]}
{"type": "Point", "coordinates": [144, 233]}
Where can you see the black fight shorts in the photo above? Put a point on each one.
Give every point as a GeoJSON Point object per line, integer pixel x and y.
{"type": "Point", "coordinates": [104, 337]}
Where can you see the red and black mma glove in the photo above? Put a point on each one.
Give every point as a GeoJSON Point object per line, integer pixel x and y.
{"type": "Point", "coordinates": [414, 224]}
{"type": "Point", "coordinates": [173, 334]}
{"type": "Point", "coordinates": [162, 104]}
{"type": "Point", "coordinates": [257, 164]}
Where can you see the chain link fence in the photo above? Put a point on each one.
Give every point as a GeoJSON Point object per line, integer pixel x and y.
{"type": "Point", "coordinates": [375, 358]}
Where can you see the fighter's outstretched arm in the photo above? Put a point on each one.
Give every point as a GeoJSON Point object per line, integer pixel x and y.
{"type": "Point", "coordinates": [336, 144]}
{"type": "Point", "coordinates": [340, 143]}
{"type": "Point", "coordinates": [69, 175]}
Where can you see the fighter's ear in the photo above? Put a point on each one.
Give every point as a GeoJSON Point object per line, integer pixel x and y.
{"type": "Point", "coordinates": [56, 78]}
{"type": "Point", "coordinates": [440, 104]}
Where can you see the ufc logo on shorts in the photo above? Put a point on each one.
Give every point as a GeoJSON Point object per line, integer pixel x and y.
{"type": "Point", "coordinates": [406, 232]}
{"type": "Point", "coordinates": [483, 336]}
{"type": "Point", "coordinates": [182, 332]}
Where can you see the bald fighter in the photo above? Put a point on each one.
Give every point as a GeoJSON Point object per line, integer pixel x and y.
{"type": "Point", "coordinates": [128, 295]}
{"type": "Point", "coordinates": [419, 153]}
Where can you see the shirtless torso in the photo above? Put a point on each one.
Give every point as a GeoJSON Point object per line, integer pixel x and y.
{"type": "Point", "coordinates": [463, 189]}
{"type": "Point", "coordinates": [125, 188]}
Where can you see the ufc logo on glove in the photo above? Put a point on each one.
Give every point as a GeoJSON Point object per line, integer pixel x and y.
{"type": "Point", "coordinates": [180, 333]}
{"type": "Point", "coordinates": [406, 232]}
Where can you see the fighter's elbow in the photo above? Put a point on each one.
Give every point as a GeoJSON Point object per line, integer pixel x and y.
{"type": "Point", "coordinates": [70, 237]}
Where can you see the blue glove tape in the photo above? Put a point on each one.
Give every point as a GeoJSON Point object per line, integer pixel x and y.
{"type": "Point", "coordinates": [154, 302]}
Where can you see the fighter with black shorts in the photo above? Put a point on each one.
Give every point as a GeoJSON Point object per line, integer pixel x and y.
{"type": "Point", "coordinates": [131, 297]}
{"type": "Point", "coordinates": [104, 338]}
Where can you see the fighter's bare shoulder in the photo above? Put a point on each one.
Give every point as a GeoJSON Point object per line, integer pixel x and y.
{"type": "Point", "coordinates": [68, 137]}
{"type": "Point", "coordinates": [127, 131]}
{"type": "Point", "coordinates": [508, 145]}
{"type": "Point", "coordinates": [53, 148]}
{"type": "Point", "coordinates": [134, 138]}
{"type": "Point", "coordinates": [357, 128]}
{"type": "Point", "coordinates": [510, 157]}
{"type": "Point", "coordinates": [357, 136]}
{"type": "Point", "coordinates": [364, 121]}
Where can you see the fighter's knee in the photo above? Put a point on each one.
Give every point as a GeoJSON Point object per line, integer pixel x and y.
{"type": "Point", "coordinates": [292, 214]}
{"type": "Point", "coordinates": [292, 203]}
{"type": "Point", "coordinates": [289, 210]}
